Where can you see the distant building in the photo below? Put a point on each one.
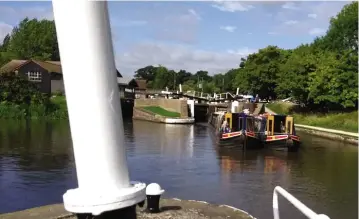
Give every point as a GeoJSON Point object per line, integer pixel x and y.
{"type": "Point", "coordinates": [138, 86]}
{"type": "Point", "coordinates": [47, 74]}
{"type": "Point", "coordinates": [123, 86]}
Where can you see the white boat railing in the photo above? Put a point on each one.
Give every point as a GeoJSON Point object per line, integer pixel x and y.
{"type": "Point", "coordinates": [298, 204]}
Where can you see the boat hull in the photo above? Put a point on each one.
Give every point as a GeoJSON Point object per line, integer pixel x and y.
{"type": "Point", "coordinates": [282, 142]}
{"type": "Point", "coordinates": [230, 139]}
{"type": "Point", "coordinates": [276, 142]}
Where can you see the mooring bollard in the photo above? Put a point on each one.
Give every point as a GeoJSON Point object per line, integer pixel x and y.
{"type": "Point", "coordinates": [153, 193]}
{"type": "Point", "coordinates": [87, 57]}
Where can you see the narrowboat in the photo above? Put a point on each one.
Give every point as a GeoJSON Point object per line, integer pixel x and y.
{"type": "Point", "coordinates": [234, 135]}
{"type": "Point", "coordinates": [273, 131]}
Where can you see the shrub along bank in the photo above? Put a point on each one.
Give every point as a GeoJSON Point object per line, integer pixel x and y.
{"type": "Point", "coordinates": [52, 110]}
{"type": "Point", "coordinates": [20, 99]}
{"type": "Point", "coordinates": [344, 121]}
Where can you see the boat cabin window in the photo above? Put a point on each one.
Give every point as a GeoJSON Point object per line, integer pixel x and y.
{"type": "Point", "coordinates": [279, 124]}
{"type": "Point", "coordinates": [289, 125]}
{"type": "Point", "coordinates": [235, 122]}
{"type": "Point", "coordinates": [257, 125]}
{"type": "Point", "coordinates": [263, 127]}
{"type": "Point", "coordinates": [270, 126]}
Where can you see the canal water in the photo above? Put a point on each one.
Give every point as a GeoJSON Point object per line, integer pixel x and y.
{"type": "Point", "coordinates": [37, 167]}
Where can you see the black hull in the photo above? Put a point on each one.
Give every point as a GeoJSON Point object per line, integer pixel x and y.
{"type": "Point", "coordinates": [285, 145]}
{"type": "Point", "coordinates": [234, 141]}
{"type": "Point", "coordinates": [253, 143]}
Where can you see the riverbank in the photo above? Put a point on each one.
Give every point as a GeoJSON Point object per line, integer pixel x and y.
{"type": "Point", "coordinates": [170, 208]}
{"type": "Point", "coordinates": [334, 134]}
{"type": "Point", "coordinates": [347, 122]}
{"type": "Point", "coordinates": [56, 108]}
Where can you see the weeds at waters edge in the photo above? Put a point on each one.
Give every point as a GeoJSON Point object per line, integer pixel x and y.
{"type": "Point", "coordinates": [162, 112]}
{"type": "Point", "coordinates": [56, 109]}
{"type": "Point", "coordinates": [339, 121]}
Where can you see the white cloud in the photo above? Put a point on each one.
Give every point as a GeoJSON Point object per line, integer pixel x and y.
{"type": "Point", "coordinates": [228, 28]}
{"type": "Point", "coordinates": [312, 15]}
{"type": "Point", "coordinates": [9, 15]}
{"type": "Point", "coordinates": [316, 31]}
{"type": "Point", "coordinates": [290, 5]}
{"type": "Point", "coordinates": [242, 52]}
{"type": "Point", "coordinates": [179, 26]}
{"type": "Point", "coordinates": [178, 57]}
{"type": "Point", "coordinates": [231, 6]}
{"type": "Point", "coordinates": [272, 33]}
{"type": "Point", "coordinates": [194, 13]}
{"type": "Point", "coordinates": [4, 30]}
{"type": "Point", "coordinates": [291, 22]}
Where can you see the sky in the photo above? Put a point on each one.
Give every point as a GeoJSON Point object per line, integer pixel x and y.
{"type": "Point", "coordinates": [211, 36]}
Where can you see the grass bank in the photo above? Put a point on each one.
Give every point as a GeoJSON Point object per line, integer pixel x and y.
{"type": "Point", "coordinates": [339, 121]}
{"type": "Point", "coordinates": [162, 112]}
{"type": "Point", "coordinates": [56, 109]}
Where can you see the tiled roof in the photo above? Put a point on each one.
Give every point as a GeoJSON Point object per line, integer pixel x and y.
{"type": "Point", "coordinates": [50, 66]}
{"type": "Point", "coordinates": [123, 81]}
{"type": "Point", "coordinates": [142, 84]}
{"type": "Point", "coordinates": [13, 65]}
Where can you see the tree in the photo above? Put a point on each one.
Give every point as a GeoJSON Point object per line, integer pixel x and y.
{"type": "Point", "coordinates": [218, 82]}
{"type": "Point", "coordinates": [147, 73]}
{"type": "Point", "coordinates": [188, 85]}
{"type": "Point", "coordinates": [293, 76]}
{"type": "Point", "coordinates": [3, 48]}
{"type": "Point", "coordinates": [259, 75]}
{"type": "Point", "coordinates": [33, 39]}
{"type": "Point", "coordinates": [335, 81]}
{"type": "Point", "coordinates": [183, 76]}
{"type": "Point", "coordinates": [342, 34]}
{"type": "Point", "coordinates": [162, 78]}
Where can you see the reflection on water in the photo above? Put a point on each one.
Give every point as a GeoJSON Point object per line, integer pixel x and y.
{"type": "Point", "coordinates": [241, 162]}
{"type": "Point", "coordinates": [36, 164]}
{"type": "Point", "coordinates": [37, 167]}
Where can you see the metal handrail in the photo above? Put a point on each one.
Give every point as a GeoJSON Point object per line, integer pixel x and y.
{"type": "Point", "coordinates": [298, 204]}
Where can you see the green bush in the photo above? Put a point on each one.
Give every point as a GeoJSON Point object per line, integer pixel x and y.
{"type": "Point", "coordinates": [21, 99]}
{"type": "Point", "coordinates": [18, 90]}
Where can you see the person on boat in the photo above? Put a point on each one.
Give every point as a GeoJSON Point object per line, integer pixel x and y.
{"type": "Point", "coordinates": [225, 128]}
{"type": "Point", "coordinates": [257, 98]}
{"type": "Point", "coordinates": [282, 127]}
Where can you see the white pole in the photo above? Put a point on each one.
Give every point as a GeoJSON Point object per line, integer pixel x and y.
{"type": "Point", "coordinates": [87, 58]}
{"type": "Point", "coordinates": [180, 88]}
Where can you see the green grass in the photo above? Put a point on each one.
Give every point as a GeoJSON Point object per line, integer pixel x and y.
{"type": "Point", "coordinates": [162, 112]}
{"type": "Point", "coordinates": [339, 121]}
{"type": "Point", "coordinates": [280, 108]}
